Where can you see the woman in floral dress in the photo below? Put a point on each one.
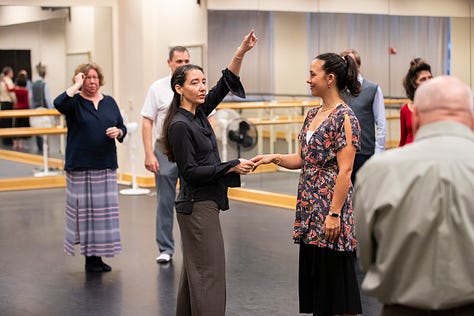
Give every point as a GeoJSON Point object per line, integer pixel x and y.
{"type": "Point", "coordinates": [324, 225]}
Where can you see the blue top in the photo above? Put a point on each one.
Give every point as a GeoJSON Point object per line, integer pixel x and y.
{"type": "Point", "coordinates": [88, 147]}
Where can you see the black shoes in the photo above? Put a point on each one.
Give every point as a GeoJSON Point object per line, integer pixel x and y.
{"type": "Point", "coordinates": [95, 264]}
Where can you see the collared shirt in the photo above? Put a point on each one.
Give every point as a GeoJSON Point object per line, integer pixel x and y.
{"type": "Point", "coordinates": [378, 107]}
{"type": "Point", "coordinates": [414, 218]}
{"type": "Point", "coordinates": [157, 103]}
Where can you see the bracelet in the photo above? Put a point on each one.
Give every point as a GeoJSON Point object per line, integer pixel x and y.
{"type": "Point", "coordinates": [237, 57]}
{"type": "Point", "coordinates": [277, 160]}
{"type": "Point", "coordinates": [337, 215]}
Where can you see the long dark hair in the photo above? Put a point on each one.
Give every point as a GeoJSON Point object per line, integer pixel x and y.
{"type": "Point", "coordinates": [409, 82]}
{"type": "Point", "coordinates": [178, 78]}
{"type": "Point", "coordinates": [344, 69]}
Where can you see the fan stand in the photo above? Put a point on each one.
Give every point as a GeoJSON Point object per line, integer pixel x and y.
{"type": "Point", "coordinates": [134, 190]}
{"type": "Point", "coordinates": [46, 171]}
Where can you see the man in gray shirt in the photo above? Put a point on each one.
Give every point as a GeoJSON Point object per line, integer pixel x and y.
{"type": "Point", "coordinates": [414, 209]}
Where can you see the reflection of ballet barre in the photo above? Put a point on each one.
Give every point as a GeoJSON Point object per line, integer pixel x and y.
{"type": "Point", "coordinates": [31, 131]}
{"type": "Point", "coordinates": [28, 113]}
{"type": "Point", "coordinates": [288, 104]}
{"type": "Point", "coordinates": [41, 118]}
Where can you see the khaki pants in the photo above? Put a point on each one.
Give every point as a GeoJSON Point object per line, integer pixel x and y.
{"type": "Point", "coordinates": [202, 289]}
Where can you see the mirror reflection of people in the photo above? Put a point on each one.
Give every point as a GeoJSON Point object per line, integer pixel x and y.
{"type": "Point", "coordinates": [7, 100]}
{"type": "Point", "coordinates": [22, 97]}
{"type": "Point", "coordinates": [94, 124]}
{"type": "Point", "coordinates": [419, 72]}
{"type": "Point", "coordinates": [189, 140]}
{"type": "Point", "coordinates": [324, 224]}
{"type": "Point", "coordinates": [41, 97]}
{"type": "Point", "coordinates": [414, 210]}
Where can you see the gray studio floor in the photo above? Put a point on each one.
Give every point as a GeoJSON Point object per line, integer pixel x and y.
{"type": "Point", "coordinates": [37, 278]}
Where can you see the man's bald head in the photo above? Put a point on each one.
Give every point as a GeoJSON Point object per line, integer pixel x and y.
{"type": "Point", "coordinates": [444, 98]}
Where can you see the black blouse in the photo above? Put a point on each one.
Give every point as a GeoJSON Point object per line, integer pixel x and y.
{"type": "Point", "coordinates": [193, 143]}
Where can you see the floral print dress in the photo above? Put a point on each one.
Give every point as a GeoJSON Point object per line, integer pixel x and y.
{"type": "Point", "coordinates": [318, 178]}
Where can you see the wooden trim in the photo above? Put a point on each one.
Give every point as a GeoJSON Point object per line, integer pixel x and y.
{"type": "Point", "coordinates": [263, 198]}
{"type": "Point", "coordinates": [31, 159]}
{"type": "Point", "coordinates": [30, 131]}
{"type": "Point", "coordinates": [30, 183]}
{"type": "Point", "coordinates": [142, 181]}
{"type": "Point", "coordinates": [28, 113]}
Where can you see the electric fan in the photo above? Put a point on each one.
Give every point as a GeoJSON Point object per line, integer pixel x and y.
{"type": "Point", "coordinates": [222, 119]}
{"type": "Point", "coordinates": [243, 133]}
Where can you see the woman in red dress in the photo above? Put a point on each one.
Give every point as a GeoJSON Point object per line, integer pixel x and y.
{"type": "Point", "coordinates": [22, 103]}
{"type": "Point", "coordinates": [419, 72]}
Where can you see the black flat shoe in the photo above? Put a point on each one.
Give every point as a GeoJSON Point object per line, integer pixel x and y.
{"type": "Point", "coordinates": [101, 267]}
{"type": "Point", "coordinates": [95, 264]}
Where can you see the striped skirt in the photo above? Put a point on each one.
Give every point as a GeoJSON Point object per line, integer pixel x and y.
{"type": "Point", "coordinates": [92, 214]}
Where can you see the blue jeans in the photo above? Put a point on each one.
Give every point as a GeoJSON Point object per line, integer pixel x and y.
{"type": "Point", "coordinates": [165, 181]}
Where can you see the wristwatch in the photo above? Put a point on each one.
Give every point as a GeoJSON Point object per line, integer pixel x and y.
{"type": "Point", "coordinates": [334, 214]}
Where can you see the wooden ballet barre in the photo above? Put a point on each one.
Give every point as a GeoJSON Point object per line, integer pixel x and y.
{"type": "Point", "coordinates": [268, 105]}
{"type": "Point", "coordinates": [286, 104]}
{"type": "Point", "coordinates": [256, 121]}
{"type": "Point", "coordinates": [31, 131]}
{"type": "Point", "coordinates": [28, 113]}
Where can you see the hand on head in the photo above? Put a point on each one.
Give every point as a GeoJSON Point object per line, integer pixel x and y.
{"type": "Point", "coordinates": [79, 79]}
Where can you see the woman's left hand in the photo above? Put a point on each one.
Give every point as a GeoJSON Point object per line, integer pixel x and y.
{"type": "Point", "coordinates": [332, 228]}
{"type": "Point", "coordinates": [113, 132]}
{"type": "Point", "coordinates": [249, 42]}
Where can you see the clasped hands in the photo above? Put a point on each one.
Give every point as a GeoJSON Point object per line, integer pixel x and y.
{"type": "Point", "coordinates": [113, 132]}
{"type": "Point", "coordinates": [248, 165]}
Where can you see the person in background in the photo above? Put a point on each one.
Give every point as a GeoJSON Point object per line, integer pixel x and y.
{"type": "Point", "coordinates": [29, 85]}
{"type": "Point", "coordinates": [324, 224]}
{"type": "Point", "coordinates": [189, 140]}
{"type": "Point", "coordinates": [22, 103]}
{"type": "Point", "coordinates": [7, 100]}
{"type": "Point", "coordinates": [419, 72]}
{"type": "Point", "coordinates": [369, 109]}
{"type": "Point", "coordinates": [41, 97]}
{"type": "Point", "coordinates": [94, 123]}
{"type": "Point", "coordinates": [154, 110]}
{"type": "Point", "coordinates": [414, 213]}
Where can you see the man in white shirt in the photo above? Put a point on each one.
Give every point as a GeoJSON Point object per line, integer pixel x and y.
{"type": "Point", "coordinates": [414, 214]}
{"type": "Point", "coordinates": [154, 112]}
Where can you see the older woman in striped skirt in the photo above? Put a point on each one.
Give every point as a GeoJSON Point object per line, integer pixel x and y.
{"type": "Point", "coordinates": [94, 122]}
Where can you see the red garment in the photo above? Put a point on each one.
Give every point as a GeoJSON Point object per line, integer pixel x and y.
{"type": "Point", "coordinates": [406, 131]}
{"type": "Point", "coordinates": [21, 98]}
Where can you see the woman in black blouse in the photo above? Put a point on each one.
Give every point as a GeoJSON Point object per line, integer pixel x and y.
{"type": "Point", "coordinates": [190, 141]}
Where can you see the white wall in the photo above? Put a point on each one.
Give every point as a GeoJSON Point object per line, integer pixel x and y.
{"type": "Point", "coordinates": [290, 67]}
{"type": "Point", "coordinates": [141, 31]}
{"type": "Point", "coordinates": [45, 39]}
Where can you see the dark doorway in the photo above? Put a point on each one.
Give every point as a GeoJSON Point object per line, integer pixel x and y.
{"type": "Point", "coordinates": [17, 59]}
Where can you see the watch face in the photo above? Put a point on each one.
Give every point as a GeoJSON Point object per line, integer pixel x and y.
{"type": "Point", "coordinates": [334, 215]}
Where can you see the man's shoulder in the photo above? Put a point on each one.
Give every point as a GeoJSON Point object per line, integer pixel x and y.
{"type": "Point", "coordinates": [38, 82]}
{"type": "Point", "coordinates": [162, 82]}
{"type": "Point", "coordinates": [368, 83]}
